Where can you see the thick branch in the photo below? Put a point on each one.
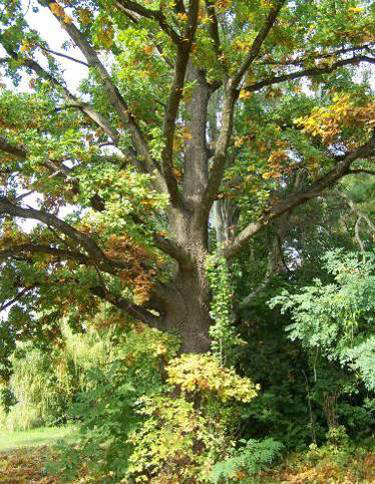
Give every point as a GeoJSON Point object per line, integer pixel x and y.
{"type": "Point", "coordinates": [341, 169]}
{"type": "Point", "coordinates": [44, 249]}
{"type": "Point", "coordinates": [175, 96]}
{"type": "Point", "coordinates": [231, 96]}
{"type": "Point", "coordinates": [218, 161]}
{"type": "Point", "coordinates": [172, 249]}
{"type": "Point", "coordinates": [166, 245]}
{"type": "Point", "coordinates": [137, 312]}
{"type": "Point", "coordinates": [8, 208]}
{"type": "Point", "coordinates": [215, 34]}
{"type": "Point", "coordinates": [114, 96]}
{"type": "Point", "coordinates": [12, 149]}
{"type": "Point", "coordinates": [196, 150]}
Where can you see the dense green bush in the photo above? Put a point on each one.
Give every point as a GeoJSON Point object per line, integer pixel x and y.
{"type": "Point", "coordinates": [334, 323]}
{"type": "Point", "coordinates": [150, 418]}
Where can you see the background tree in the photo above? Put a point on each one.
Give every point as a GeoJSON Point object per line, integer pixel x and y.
{"type": "Point", "coordinates": [221, 117]}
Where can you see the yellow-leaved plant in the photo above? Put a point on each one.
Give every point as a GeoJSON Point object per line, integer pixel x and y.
{"type": "Point", "coordinates": [176, 443]}
{"type": "Point", "coordinates": [203, 373]}
{"type": "Point", "coordinates": [188, 429]}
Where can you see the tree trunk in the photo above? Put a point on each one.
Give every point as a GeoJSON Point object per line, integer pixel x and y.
{"type": "Point", "coordinates": [187, 302]}
{"type": "Point", "coordinates": [187, 312]}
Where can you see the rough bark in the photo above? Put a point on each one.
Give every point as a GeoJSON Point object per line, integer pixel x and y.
{"type": "Point", "coordinates": [187, 305]}
{"type": "Point", "coordinates": [187, 311]}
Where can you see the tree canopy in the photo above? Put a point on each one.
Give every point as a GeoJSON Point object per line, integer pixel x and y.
{"type": "Point", "coordinates": [199, 130]}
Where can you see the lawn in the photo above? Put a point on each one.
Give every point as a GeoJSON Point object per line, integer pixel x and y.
{"type": "Point", "coordinates": [36, 437]}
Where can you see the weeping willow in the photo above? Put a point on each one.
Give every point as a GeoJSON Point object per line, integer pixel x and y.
{"type": "Point", "coordinates": [44, 384]}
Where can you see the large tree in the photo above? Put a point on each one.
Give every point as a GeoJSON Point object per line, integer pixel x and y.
{"type": "Point", "coordinates": [200, 125]}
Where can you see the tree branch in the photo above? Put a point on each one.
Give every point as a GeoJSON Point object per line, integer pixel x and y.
{"type": "Point", "coordinates": [175, 96]}
{"type": "Point", "coordinates": [114, 96]}
{"type": "Point", "coordinates": [158, 44]}
{"type": "Point", "coordinates": [166, 245]}
{"type": "Point", "coordinates": [312, 71]}
{"type": "Point", "coordinates": [137, 312]}
{"type": "Point", "coordinates": [12, 149]}
{"type": "Point", "coordinates": [172, 249]}
{"type": "Point", "coordinates": [156, 15]}
{"type": "Point", "coordinates": [16, 298]}
{"type": "Point", "coordinates": [275, 261]}
{"type": "Point", "coordinates": [359, 213]}
{"type": "Point", "coordinates": [8, 208]}
{"type": "Point", "coordinates": [60, 54]}
{"type": "Point", "coordinates": [361, 170]}
{"type": "Point", "coordinates": [258, 42]}
{"type": "Point", "coordinates": [45, 249]}
{"type": "Point", "coordinates": [219, 158]}
{"type": "Point", "coordinates": [98, 118]}
{"type": "Point", "coordinates": [215, 34]}
{"type": "Point", "coordinates": [231, 96]}
{"type": "Point", "coordinates": [295, 199]}
{"type": "Point", "coordinates": [357, 236]}
{"type": "Point", "coordinates": [310, 56]}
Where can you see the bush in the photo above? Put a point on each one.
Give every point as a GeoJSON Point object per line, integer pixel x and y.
{"type": "Point", "coordinates": [147, 416]}
{"type": "Point", "coordinates": [105, 410]}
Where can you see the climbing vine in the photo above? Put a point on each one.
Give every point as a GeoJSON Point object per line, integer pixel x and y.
{"type": "Point", "coordinates": [223, 335]}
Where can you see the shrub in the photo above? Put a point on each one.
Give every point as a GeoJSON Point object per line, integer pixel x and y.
{"type": "Point", "coordinates": [106, 409]}
{"type": "Point", "coordinates": [148, 416]}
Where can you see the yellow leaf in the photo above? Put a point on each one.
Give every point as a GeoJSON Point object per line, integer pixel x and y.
{"type": "Point", "coordinates": [84, 15]}
{"type": "Point", "coordinates": [26, 46]}
{"type": "Point", "coordinates": [186, 134]}
{"type": "Point", "coordinates": [182, 16]}
{"type": "Point", "coordinates": [148, 49]}
{"type": "Point", "coordinates": [355, 9]}
{"type": "Point", "coordinates": [57, 9]}
{"type": "Point", "coordinates": [67, 19]}
{"type": "Point", "coordinates": [244, 94]}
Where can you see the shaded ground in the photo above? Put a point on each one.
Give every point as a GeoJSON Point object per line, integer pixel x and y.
{"type": "Point", "coordinates": [326, 465]}
{"type": "Point", "coordinates": [25, 466]}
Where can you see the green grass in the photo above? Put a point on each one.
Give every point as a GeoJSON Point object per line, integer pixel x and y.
{"type": "Point", "coordinates": [35, 437]}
